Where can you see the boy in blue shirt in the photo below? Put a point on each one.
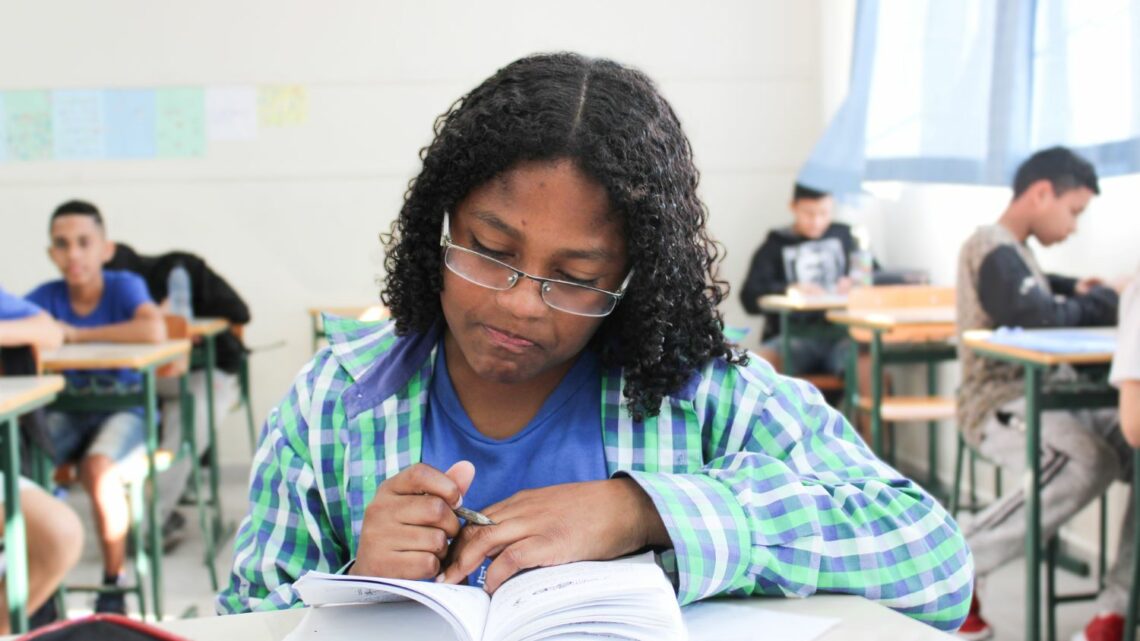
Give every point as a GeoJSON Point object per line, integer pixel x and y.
{"type": "Point", "coordinates": [92, 305]}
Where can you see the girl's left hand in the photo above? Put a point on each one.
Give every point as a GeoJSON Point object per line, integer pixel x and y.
{"type": "Point", "coordinates": [592, 521]}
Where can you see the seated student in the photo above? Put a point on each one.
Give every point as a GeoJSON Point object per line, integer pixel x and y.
{"type": "Point", "coordinates": [557, 360]}
{"type": "Point", "coordinates": [95, 305]}
{"type": "Point", "coordinates": [212, 297]}
{"type": "Point", "coordinates": [53, 532]}
{"type": "Point", "coordinates": [808, 257]}
{"type": "Point", "coordinates": [1001, 284]}
{"type": "Point", "coordinates": [1125, 372]}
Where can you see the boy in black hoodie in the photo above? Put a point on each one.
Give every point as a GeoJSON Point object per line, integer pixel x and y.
{"type": "Point", "coordinates": [809, 257]}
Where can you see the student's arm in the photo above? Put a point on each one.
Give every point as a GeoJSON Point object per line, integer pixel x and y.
{"type": "Point", "coordinates": [1063, 285]}
{"type": "Point", "coordinates": [40, 330]}
{"type": "Point", "coordinates": [1130, 411]}
{"type": "Point", "coordinates": [286, 532]}
{"type": "Point", "coordinates": [1011, 297]}
{"type": "Point", "coordinates": [765, 276]}
{"type": "Point", "coordinates": [1125, 373]}
{"type": "Point", "coordinates": [147, 326]}
{"type": "Point", "coordinates": [791, 502]}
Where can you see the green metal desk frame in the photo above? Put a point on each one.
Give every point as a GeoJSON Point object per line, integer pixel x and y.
{"type": "Point", "coordinates": [148, 399]}
{"type": "Point", "coordinates": [1040, 398]}
{"type": "Point", "coordinates": [15, 536]}
{"type": "Point", "coordinates": [790, 328]}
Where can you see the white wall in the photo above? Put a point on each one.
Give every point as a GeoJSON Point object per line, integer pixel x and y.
{"type": "Point", "coordinates": [292, 218]}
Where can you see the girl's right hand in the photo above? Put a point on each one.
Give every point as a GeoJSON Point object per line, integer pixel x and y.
{"type": "Point", "coordinates": [408, 523]}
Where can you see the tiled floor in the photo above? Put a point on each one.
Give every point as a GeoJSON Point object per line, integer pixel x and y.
{"type": "Point", "coordinates": [188, 587]}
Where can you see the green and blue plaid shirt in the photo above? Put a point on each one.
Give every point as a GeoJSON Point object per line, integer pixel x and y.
{"type": "Point", "coordinates": [763, 487]}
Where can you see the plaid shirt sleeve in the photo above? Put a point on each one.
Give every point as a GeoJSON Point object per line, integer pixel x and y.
{"type": "Point", "coordinates": [790, 502]}
{"type": "Point", "coordinates": [286, 532]}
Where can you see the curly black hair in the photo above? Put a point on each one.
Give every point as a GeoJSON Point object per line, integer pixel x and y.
{"type": "Point", "coordinates": [613, 124]}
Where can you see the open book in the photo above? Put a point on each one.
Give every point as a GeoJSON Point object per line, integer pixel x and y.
{"type": "Point", "coordinates": [624, 599]}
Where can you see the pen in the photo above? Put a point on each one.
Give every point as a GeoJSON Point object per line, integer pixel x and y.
{"type": "Point", "coordinates": [472, 516]}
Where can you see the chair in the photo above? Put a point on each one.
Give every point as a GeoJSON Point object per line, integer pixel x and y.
{"type": "Point", "coordinates": [910, 343]}
{"type": "Point", "coordinates": [955, 505]}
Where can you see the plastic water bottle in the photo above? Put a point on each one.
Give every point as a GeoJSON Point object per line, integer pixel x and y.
{"type": "Point", "coordinates": [178, 290]}
{"type": "Point", "coordinates": [861, 262]}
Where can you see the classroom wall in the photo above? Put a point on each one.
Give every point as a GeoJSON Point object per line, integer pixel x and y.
{"type": "Point", "coordinates": [292, 217]}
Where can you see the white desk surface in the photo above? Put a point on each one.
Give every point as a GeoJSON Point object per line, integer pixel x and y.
{"type": "Point", "coordinates": [22, 391]}
{"type": "Point", "coordinates": [136, 356]}
{"type": "Point", "coordinates": [861, 620]}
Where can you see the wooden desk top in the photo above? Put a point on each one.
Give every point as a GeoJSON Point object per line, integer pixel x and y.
{"type": "Point", "coordinates": [894, 318]}
{"type": "Point", "coordinates": [979, 340]}
{"type": "Point", "coordinates": [784, 302]}
{"type": "Point", "coordinates": [136, 356]}
{"type": "Point", "coordinates": [23, 393]}
{"type": "Point", "coordinates": [860, 620]}
{"type": "Point", "coordinates": [207, 327]}
{"type": "Point", "coordinates": [361, 312]}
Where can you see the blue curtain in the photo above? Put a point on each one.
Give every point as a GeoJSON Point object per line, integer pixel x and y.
{"type": "Point", "coordinates": [961, 91]}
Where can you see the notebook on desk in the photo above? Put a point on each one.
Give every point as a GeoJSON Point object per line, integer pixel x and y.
{"type": "Point", "coordinates": [623, 599]}
{"type": "Point", "coordinates": [1056, 341]}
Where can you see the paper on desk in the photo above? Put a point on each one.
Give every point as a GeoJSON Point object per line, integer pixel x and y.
{"type": "Point", "coordinates": [1058, 341]}
{"type": "Point", "coordinates": [376, 622]}
{"type": "Point", "coordinates": [722, 620]}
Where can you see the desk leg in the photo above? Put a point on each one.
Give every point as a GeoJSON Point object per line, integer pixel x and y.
{"type": "Point", "coordinates": [877, 392]}
{"type": "Point", "coordinates": [851, 382]}
{"type": "Point", "coordinates": [211, 361]}
{"type": "Point", "coordinates": [14, 539]}
{"type": "Point", "coordinates": [932, 482]}
{"type": "Point", "coordinates": [1033, 503]}
{"type": "Point", "coordinates": [785, 343]}
{"type": "Point", "coordinates": [153, 526]}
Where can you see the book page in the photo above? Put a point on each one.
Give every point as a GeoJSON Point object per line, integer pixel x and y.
{"type": "Point", "coordinates": [464, 607]}
{"type": "Point", "coordinates": [372, 622]}
{"type": "Point", "coordinates": [625, 598]}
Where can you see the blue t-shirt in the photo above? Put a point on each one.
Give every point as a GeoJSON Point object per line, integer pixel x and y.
{"type": "Point", "coordinates": [13, 307]}
{"type": "Point", "coordinates": [561, 444]}
{"type": "Point", "coordinates": [123, 292]}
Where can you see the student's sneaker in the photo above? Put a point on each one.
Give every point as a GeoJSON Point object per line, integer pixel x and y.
{"type": "Point", "coordinates": [173, 532]}
{"type": "Point", "coordinates": [975, 628]}
{"type": "Point", "coordinates": [46, 615]}
{"type": "Point", "coordinates": [111, 602]}
{"type": "Point", "coordinates": [1106, 626]}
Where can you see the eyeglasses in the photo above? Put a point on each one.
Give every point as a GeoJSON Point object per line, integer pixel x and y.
{"type": "Point", "coordinates": [572, 298]}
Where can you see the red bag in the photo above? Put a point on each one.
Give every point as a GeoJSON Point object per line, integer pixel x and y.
{"type": "Point", "coordinates": [104, 627]}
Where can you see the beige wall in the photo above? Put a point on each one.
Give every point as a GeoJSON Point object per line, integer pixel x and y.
{"type": "Point", "coordinates": [292, 218]}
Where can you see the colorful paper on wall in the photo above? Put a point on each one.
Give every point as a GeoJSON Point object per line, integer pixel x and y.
{"type": "Point", "coordinates": [27, 119]}
{"type": "Point", "coordinates": [130, 120]}
{"type": "Point", "coordinates": [78, 124]}
{"type": "Point", "coordinates": [282, 105]}
{"type": "Point", "coordinates": [231, 113]}
{"type": "Point", "coordinates": [181, 129]}
{"type": "Point", "coordinates": [3, 132]}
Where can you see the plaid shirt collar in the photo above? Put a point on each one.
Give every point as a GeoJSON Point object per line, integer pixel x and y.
{"type": "Point", "coordinates": [384, 376]}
